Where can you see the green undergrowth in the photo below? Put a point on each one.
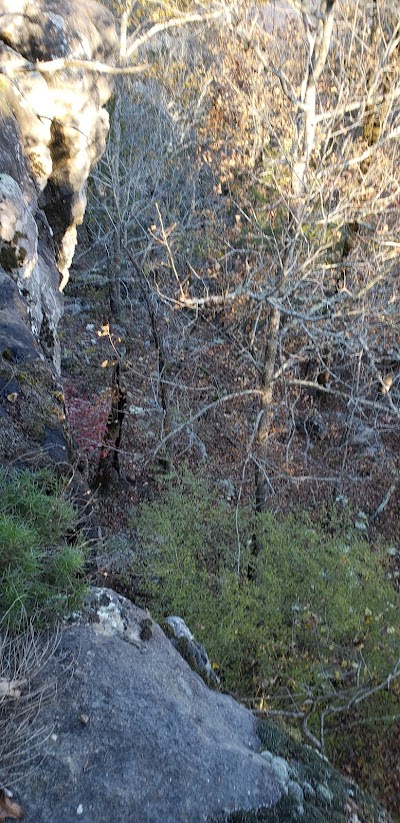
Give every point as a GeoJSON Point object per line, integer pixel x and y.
{"type": "Point", "coordinates": [41, 558]}
{"type": "Point", "coordinates": [318, 611]}
{"type": "Point", "coordinates": [315, 622]}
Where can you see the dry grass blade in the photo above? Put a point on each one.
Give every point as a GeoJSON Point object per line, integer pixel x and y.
{"type": "Point", "coordinates": [24, 689]}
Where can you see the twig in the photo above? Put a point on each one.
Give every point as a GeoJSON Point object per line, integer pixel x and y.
{"type": "Point", "coordinates": [175, 22]}
{"type": "Point", "coordinates": [61, 63]}
{"type": "Point", "coordinates": [385, 501]}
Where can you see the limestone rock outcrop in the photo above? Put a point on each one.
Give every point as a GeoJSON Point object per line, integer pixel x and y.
{"type": "Point", "coordinates": [53, 127]}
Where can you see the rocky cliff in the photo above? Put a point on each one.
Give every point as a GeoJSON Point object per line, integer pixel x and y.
{"type": "Point", "coordinates": [53, 128]}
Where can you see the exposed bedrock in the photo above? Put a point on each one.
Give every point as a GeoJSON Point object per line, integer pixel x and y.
{"type": "Point", "coordinates": [137, 737]}
{"type": "Point", "coordinates": [53, 129]}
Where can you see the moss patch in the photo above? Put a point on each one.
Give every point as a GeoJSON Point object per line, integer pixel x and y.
{"type": "Point", "coordinates": [317, 620]}
{"type": "Point", "coordinates": [314, 599]}
{"type": "Point", "coordinates": [146, 629]}
{"type": "Point", "coordinates": [326, 794]}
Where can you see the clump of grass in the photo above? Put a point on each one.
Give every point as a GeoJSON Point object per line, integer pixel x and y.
{"type": "Point", "coordinates": [41, 564]}
{"type": "Point", "coordinates": [25, 687]}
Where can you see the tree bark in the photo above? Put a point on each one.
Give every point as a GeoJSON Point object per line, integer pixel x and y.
{"type": "Point", "coordinates": [265, 416]}
{"type": "Point", "coordinates": [115, 278]}
{"type": "Point", "coordinates": [319, 42]}
{"type": "Point", "coordinates": [109, 466]}
{"type": "Point", "coordinates": [376, 113]}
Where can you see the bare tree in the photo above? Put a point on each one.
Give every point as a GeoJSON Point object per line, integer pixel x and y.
{"type": "Point", "coordinates": [149, 184]}
{"type": "Point", "coordinates": [332, 193]}
{"type": "Point", "coordinates": [320, 281]}
{"type": "Point", "coordinates": [306, 277]}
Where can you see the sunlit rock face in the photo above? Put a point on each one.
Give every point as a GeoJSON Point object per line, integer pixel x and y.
{"type": "Point", "coordinates": [58, 111]}
{"type": "Point", "coordinates": [53, 129]}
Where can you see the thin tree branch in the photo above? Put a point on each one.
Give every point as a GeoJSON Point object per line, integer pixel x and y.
{"type": "Point", "coordinates": [61, 63]}
{"type": "Point", "coordinates": [174, 23]}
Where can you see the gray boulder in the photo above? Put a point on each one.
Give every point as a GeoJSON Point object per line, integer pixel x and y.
{"type": "Point", "coordinates": [137, 736]}
{"type": "Point", "coordinates": [191, 650]}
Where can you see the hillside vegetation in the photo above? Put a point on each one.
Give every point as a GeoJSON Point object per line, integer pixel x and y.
{"type": "Point", "coordinates": [237, 277]}
{"type": "Point", "coordinates": [41, 554]}
{"type": "Point", "coordinates": [231, 366]}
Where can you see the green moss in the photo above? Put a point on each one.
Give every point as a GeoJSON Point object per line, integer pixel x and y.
{"type": "Point", "coordinates": [185, 649]}
{"type": "Point", "coordinates": [286, 811]}
{"type": "Point", "coordinates": [314, 603]}
{"type": "Point", "coordinates": [318, 620]}
{"type": "Point", "coordinates": [35, 428]}
{"type": "Point", "coordinates": [27, 377]}
{"type": "Point", "coordinates": [32, 378]}
{"type": "Point", "coordinates": [327, 795]}
{"type": "Point", "coordinates": [39, 408]}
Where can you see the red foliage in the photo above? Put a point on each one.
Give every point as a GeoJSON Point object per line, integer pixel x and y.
{"type": "Point", "coordinates": [87, 419]}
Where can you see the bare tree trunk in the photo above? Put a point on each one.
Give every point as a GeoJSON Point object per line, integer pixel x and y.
{"type": "Point", "coordinates": [319, 38]}
{"type": "Point", "coordinates": [109, 466]}
{"type": "Point", "coordinates": [264, 420]}
{"type": "Point", "coordinates": [115, 277]}
{"type": "Point", "coordinates": [116, 242]}
{"type": "Point", "coordinates": [381, 76]}
{"type": "Point", "coordinates": [371, 128]}
{"type": "Point", "coordinates": [115, 270]}
{"type": "Point", "coordinates": [265, 416]}
{"type": "Point", "coordinates": [164, 458]}
{"type": "Point", "coordinates": [319, 41]}
{"type": "Point", "coordinates": [158, 338]}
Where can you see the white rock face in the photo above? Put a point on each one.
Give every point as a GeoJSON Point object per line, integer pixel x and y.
{"type": "Point", "coordinates": [53, 129]}
{"type": "Point", "coordinates": [29, 97]}
{"type": "Point", "coordinates": [19, 253]}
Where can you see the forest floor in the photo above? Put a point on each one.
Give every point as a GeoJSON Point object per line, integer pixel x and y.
{"type": "Point", "coordinates": [315, 456]}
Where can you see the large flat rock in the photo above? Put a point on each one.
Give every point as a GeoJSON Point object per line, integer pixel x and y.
{"type": "Point", "coordinates": [137, 734]}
